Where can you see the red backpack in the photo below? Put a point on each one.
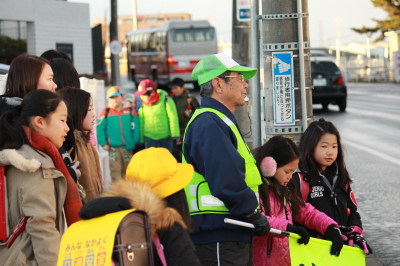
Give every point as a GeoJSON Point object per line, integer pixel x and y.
{"type": "Point", "coordinates": [4, 236]}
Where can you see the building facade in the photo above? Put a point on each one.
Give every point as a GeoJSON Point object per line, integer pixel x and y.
{"type": "Point", "coordinates": [51, 24]}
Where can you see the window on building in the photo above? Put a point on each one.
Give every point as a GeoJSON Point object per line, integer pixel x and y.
{"type": "Point", "coordinates": [66, 48]}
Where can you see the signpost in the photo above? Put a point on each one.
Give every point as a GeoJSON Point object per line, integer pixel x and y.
{"type": "Point", "coordinates": [115, 47]}
{"type": "Point", "coordinates": [282, 77]}
{"type": "Point", "coordinates": [243, 10]}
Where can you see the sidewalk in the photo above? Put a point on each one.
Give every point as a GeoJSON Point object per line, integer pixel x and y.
{"type": "Point", "coordinates": [373, 261]}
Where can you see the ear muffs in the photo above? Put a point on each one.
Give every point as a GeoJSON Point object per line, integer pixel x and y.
{"type": "Point", "coordinates": [268, 166]}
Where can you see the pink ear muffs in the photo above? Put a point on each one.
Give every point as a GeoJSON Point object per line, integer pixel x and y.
{"type": "Point", "coordinates": [268, 166]}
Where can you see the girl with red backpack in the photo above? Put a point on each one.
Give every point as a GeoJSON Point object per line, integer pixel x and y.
{"type": "Point", "coordinates": [325, 182]}
{"type": "Point", "coordinates": [40, 193]}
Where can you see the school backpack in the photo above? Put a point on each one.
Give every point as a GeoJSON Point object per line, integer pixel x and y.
{"type": "Point", "coordinates": [5, 236]}
{"type": "Point", "coordinates": [121, 238]}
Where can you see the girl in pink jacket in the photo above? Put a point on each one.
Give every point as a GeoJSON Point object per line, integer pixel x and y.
{"type": "Point", "coordinates": [281, 203]}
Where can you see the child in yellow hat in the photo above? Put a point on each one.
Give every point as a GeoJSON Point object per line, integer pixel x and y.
{"type": "Point", "coordinates": [154, 183]}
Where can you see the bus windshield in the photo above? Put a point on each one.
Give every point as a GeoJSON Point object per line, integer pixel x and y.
{"type": "Point", "coordinates": [193, 35]}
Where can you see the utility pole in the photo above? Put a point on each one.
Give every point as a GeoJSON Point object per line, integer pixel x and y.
{"type": "Point", "coordinates": [115, 75]}
{"type": "Point", "coordinates": [286, 92]}
{"type": "Point", "coordinates": [134, 15]}
{"type": "Point", "coordinates": [338, 37]}
{"type": "Point", "coordinates": [281, 91]}
{"type": "Point", "coordinates": [241, 52]}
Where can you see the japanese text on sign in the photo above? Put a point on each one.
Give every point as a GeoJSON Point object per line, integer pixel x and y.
{"type": "Point", "coordinates": [282, 64]}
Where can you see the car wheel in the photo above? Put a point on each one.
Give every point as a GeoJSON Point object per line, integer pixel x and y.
{"type": "Point", "coordinates": [342, 105]}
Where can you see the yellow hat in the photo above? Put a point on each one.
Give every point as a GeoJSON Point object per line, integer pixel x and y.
{"type": "Point", "coordinates": [113, 91]}
{"type": "Point", "coordinates": [158, 168]}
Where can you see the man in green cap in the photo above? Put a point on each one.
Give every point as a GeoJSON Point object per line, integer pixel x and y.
{"type": "Point", "coordinates": [226, 179]}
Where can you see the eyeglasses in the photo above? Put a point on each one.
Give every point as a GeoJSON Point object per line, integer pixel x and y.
{"type": "Point", "coordinates": [241, 77]}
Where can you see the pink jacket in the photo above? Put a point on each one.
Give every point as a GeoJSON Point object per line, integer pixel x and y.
{"type": "Point", "coordinates": [279, 246]}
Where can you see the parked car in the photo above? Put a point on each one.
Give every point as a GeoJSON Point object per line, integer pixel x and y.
{"type": "Point", "coordinates": [328, 83]}
{"type": "Point", "coordinates": [4, 69]}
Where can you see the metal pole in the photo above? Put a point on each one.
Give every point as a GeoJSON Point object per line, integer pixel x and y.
{"type": "Point", "coordinates": [301, 64]}
{"type": "Point", "coordinates": [284, 30]}
{"type": "Point", "coordinates": [241, 53]}
{"type": "Point", "coordinates": [115, 76]}
{"type": "Point", "coordinates": [134, 15]}
{"type": "Point", "coordinates": [255, 82]}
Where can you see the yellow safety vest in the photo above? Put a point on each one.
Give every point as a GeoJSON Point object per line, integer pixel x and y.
{"type": "Point", "coordinates": [198, 194]}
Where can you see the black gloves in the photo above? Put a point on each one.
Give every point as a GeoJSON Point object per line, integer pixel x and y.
{"type": "Point", "coordinates": [301, 231]}
{"type": "Point", "coordinates": [355, 235]}
{"type": "Point", "coordinates": [260, 222]}
{"type": "Point", "coordinates": [333, 234]}
{"type": "Point", "coordinates": [356, 238]}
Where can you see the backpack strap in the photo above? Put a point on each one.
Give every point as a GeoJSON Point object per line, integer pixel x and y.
{"type": "Point", "coordinates": [3, 214]}
{"type": "Point", "coordinates": [304, 187]}
{"type": "Point", "coordinates": [107, 111]}
{"type": "Point", "coordinates": [17, 231]}
{"type": "Point", "coordinates": [132, 112]}
{"type": "Point", "coordinates": [160, 250]}
{"type": "Point", "coordinates": [8, 240]}
{"type": "Point", "coordinates": [105, 117]}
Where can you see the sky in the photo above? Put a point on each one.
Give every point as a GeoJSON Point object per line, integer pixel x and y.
{"type": "Point", "coordinates": [328, 19]}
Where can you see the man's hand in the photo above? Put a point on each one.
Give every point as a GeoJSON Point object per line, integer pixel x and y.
{"type": "Point", "coordinates": [260, 223]}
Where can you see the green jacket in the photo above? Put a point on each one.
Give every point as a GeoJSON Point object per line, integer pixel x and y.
{"type": "Point", "coordinates": [118, 128]}
{"type": "Point", "coordinates": [160, 120]}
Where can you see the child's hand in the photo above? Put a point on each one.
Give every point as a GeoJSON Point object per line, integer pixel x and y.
{"type": "Point", "coordinates": [356, 236]}
{"type": "Point", "coordinates": [333, 234]}
{"type": "Point", "coordinates": [75, 167]}
{"type": "Point", "coordinates": [106, 147]}
{"type": "Point", "coordinates": [301, 231]}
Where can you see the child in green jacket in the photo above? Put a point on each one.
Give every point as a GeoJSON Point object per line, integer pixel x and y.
{"type": "Point", "coordinates": [118, 132]}
{"type": "Point", "coordinates": [159, 124]}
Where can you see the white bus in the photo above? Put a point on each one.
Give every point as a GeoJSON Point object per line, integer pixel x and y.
{"type": "Point", "coordinates": [169, 51]}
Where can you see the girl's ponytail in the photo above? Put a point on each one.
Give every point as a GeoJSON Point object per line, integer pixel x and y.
{"type": "Point", "coordinates": [12, 135]}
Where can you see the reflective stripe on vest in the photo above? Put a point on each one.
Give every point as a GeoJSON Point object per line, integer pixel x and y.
{"type": "Point", "coordinates": [198, 193]}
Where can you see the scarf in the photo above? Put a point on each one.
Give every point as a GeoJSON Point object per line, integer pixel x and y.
{"type": "Point", "coordinates": [72, 203]}
{"type": "Point", "coordinates": [153, 99]}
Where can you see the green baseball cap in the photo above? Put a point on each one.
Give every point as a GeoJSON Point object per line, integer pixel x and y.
{"type": "Point", "coordinates": [214, 65]}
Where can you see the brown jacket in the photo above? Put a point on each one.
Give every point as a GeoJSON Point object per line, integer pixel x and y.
{"type": "Point", "coordinates": [35, 188]}
{"type": "Point", "coordinates": [91, 178]}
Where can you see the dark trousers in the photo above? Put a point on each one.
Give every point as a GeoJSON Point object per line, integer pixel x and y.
{"type": "Point", "coordinates": [164, 143]}
{"type": "Point", "coordinates": [225, 253]}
